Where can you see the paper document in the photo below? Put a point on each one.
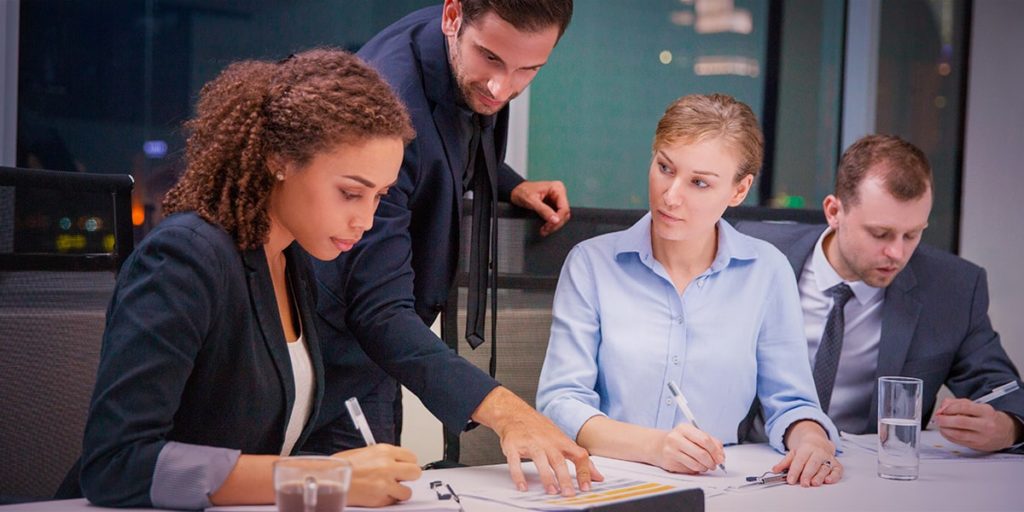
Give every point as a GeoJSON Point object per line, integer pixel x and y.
{"type": "Point", "coordinates": [743, 461]}
{"type": "Point", "coordinates": [933, 447]}
{"type": "Point", "coordinates": [712, 485]}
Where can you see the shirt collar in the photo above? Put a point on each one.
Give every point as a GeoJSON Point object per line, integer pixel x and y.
{"type": "Point", "coordinates": [825, 275]}
{"type": "Point", "coordinates": [731, 244]}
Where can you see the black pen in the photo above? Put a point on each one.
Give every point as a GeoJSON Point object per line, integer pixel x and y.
{"type": "Point", "coordinates": [454, 496]}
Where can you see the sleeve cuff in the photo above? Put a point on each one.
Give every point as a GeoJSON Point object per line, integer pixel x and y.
{"type": "Point", "coordinates": [186, 474]}
{"type": "Point", "coordinates": [778, 429]}
{"type": "Point", "coordinates": [570, 415]}
{"type": "Point", "coordinates": [1019, 447]}
{"type": "Point", "coordinates": [459, 416]}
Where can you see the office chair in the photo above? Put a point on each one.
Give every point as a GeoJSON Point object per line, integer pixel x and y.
{"type": "Point", "coordinates": [63, 236]}
{"type": "Point", "coordinates": [528, 269]}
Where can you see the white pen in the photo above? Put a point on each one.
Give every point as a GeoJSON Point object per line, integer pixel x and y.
{"type": "Point", "coordinates": [681, 402]}
{"type": "Point", "coordinates": [357, 417]}
{"type": "Point", "coordinates": [1005, 389]}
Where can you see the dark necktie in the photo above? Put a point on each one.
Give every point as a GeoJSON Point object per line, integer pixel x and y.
{"type": "Point", "coordinates": [826, 361]}
{"type": "Point", "coordinates": [480, 252]}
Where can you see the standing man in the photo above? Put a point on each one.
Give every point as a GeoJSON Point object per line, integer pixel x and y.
{"type": "Point", "coordinates": [876, 303]}
{"type": "Point", "coordinates": [456, 67]}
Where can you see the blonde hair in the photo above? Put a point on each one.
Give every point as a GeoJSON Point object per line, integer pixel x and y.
{"type": "Point", "coordinates": [699, 117]}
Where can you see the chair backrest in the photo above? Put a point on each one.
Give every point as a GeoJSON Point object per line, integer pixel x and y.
{"type": "Point", "coordinates": [528, 269]}
{"type": "Point", "coordinates": [63, 235]}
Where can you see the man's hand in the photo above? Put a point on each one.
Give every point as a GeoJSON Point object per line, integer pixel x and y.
{"type": "Point", "coordinates": [541, 196]}
{"type": "Point", "coordinates": [976, 426]}
{"type": "Point", "coordinates": [525, 434]}
{"type": "Point", "coordinates": [811, 458]}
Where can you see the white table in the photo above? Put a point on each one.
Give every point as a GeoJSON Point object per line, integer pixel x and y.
{"type": "Point", "coordinates": [942, 485]}
{"type": "Point", "coordinates": [962, 486]}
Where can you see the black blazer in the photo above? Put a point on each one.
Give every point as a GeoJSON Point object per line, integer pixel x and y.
{"type": "Point", "coordinates": [378, 300]}
{"type": "Point", "coordinates": [193, 352]}
{"type": "Point", "coordinates": [935, 323]}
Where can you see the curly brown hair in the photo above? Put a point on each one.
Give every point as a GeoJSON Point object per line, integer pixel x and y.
{"type": "Point", "coordinates": [292, 109]}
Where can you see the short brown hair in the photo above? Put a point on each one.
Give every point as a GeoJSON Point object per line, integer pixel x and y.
{"type": "Point", "coordinates": [902, 167]}
{"type": "Point", "coordinates": [291, 109]}
{"type": "Point", "coordinates": [700, 117]}
{"type": "Point", "coordinates": [524, 15]}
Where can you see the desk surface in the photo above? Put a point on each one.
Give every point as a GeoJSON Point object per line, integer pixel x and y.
{"type": "Point", "coordinates": [943, 485]}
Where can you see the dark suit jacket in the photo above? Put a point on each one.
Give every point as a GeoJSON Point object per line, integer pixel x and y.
{"type": "Point", "coordinates": [935, 323]}
{"type": "Point", "coordinates": [193, 352]}
{"type": "Point", "coordinates": [377, 300]}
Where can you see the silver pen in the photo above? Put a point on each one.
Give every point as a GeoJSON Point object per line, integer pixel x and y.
{"type": "Point", "coordinates": [360, 420]}
{"type": "Point", "coordinates": [767, 479]}
{"type": "Point", "coordinates": [1005, 389]}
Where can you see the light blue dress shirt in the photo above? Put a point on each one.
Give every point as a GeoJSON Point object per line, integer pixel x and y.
{"type": "Point", "coordinates": [621, 332]}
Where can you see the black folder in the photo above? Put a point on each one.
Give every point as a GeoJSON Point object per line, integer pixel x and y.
{"type": "Point", "coordinates": [683, 500]}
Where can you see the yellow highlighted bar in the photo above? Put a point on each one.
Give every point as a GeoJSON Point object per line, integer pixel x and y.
{"type": "Point", "coordinates": [615, 494]}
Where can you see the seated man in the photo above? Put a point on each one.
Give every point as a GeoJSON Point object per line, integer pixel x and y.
{"type": "Point", "coordinates": [915, 311]}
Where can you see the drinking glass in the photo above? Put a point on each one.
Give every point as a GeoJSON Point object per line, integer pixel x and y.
{"type": "Point", "coordinates": [311, 484]}
{"type": "Point", "coordinates": [899, 427]}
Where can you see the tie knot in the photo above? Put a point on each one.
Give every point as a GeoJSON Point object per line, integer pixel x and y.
{"type": "Point", "coordinates": [485, 122]}
{"type": "Point", "coordinates": [840, 293]}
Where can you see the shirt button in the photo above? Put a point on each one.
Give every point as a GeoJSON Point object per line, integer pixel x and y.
{"type": "Point", "coordinates": [700, 283]}
{"type": "Point", "coordinates": [675, 360]}
{"type": "Point", "coordinates": [668, 401]}
{"type": "Point", "coordinates": [679, 320]}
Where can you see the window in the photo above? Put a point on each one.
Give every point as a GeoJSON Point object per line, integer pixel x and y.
{"type": "Point", "coordinates": [105, 86]}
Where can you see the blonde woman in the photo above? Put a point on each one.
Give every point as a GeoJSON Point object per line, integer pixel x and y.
{"type": "Point", "coordinates": [683, 297]}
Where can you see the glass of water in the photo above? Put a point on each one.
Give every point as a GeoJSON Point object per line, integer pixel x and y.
{"type": "Point", "coordinates": [899, 427]}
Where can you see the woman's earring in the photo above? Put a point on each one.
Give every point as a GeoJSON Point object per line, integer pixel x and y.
{"type": "Point", "coordinates": [280, 176]}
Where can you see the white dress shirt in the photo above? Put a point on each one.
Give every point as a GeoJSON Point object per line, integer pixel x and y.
{"type": "Point", "coordinates": [855, 378]}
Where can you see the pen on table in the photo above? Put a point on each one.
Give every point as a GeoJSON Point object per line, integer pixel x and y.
{"type": "Point", "coordinates": [681, 402]}
{"type": "Point", "coordinates": [450, 495]}
{"type": "Point", "coordinates": [357, 417]}
{"type": "Point", "coordinates": [454, 496]}
{"type": "Point", "coordinates": [767, 479]}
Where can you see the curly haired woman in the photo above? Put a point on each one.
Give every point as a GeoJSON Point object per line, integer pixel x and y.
{"type": "Point", "coordinates": [211, 368]}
